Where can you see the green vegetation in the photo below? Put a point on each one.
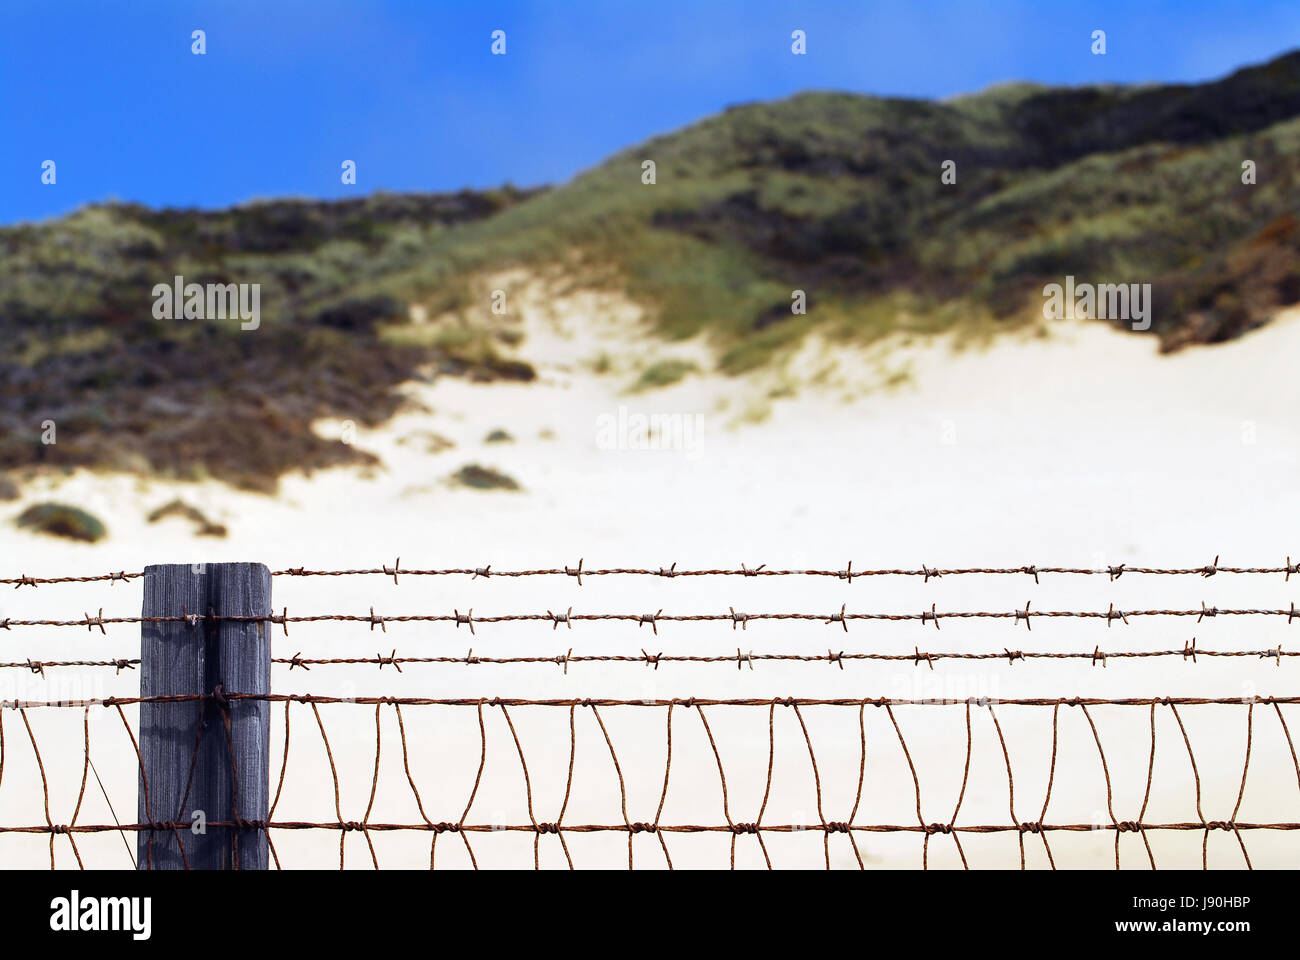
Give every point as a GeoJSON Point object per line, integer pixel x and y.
{"type": "Point", "coordinates": [840, 196]}
{"type": "Point", "coordinates": [61, 520]}
{"type": "Point", "coordinates": [837, 195]}
{"type": "Point", "coordinates": [483, 478]}
{"type": "Point", "coordinates": [203, 527]}
{"type": "Point", "coordinates": [201, 398]}
{"type": "Point", "coordinates": [664, 373]}
{"type": "Point", "coordinates": [427, 440]}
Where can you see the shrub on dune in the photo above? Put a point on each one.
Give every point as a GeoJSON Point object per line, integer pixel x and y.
{"type": "Point", "coordinates": [61, 520]}
{"type": "Point", "coordinates": [483, 478]}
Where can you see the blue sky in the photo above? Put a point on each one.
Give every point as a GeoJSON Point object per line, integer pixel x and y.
{"type": "Point", "coordinates": [408, 89]}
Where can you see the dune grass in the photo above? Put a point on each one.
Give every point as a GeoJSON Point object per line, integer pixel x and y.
{"type": "Point", "coordinates": [835, 195]}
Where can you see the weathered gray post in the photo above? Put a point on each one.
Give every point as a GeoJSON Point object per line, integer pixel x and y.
{"type": "Point", "coordinates": [228, 775]}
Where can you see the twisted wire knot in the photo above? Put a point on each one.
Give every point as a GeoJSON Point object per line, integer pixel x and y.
{"type": "Point", "coordinates": [839, 618]}
{"type": "Point", "coordinates": [930, 615]}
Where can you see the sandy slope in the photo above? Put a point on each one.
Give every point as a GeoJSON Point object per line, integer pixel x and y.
{"type": "Point", "coordinates": [1085, 448]}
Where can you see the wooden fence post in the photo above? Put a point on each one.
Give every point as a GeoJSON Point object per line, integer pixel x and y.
{"type": "Point", "coordinates": [227, 775]}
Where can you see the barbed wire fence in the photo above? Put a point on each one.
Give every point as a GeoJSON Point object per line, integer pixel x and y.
{"type": "Point", "coordinates": [671, 713]}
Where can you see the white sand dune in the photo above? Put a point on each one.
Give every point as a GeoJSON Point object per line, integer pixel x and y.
{"type": "Point", "coordinates": [1084, 448]}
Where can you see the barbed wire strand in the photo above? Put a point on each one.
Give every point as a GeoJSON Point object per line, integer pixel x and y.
{"type": "Point", "coordinates": [1097, 657]}
{"type": "Point", "coordinates": [737, 619]}
{"type": "Point", "coordinates": [1112, 572]}
{"type": "Point", "coordinates": [651, 702]}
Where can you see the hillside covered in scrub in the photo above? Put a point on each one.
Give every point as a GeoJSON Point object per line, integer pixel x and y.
{"type": "Point", "coordinates": [835, 194]}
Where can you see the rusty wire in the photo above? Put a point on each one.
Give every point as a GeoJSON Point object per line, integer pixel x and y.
{"type": "Point", "coordinates": [1112, 572]}
{"type": "Point", "coordinates": [676, 701]}
{"type": "Point", "coordinates": [22, 580]}
{"type": "Point", "coordinates": [39, 666]}
{"type": "Point", "coordinates": [737, 828]}
{"type": "Point", "coordinates": [1096, 657]}
{"type": "Point", "coordinates": [735, 618]}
